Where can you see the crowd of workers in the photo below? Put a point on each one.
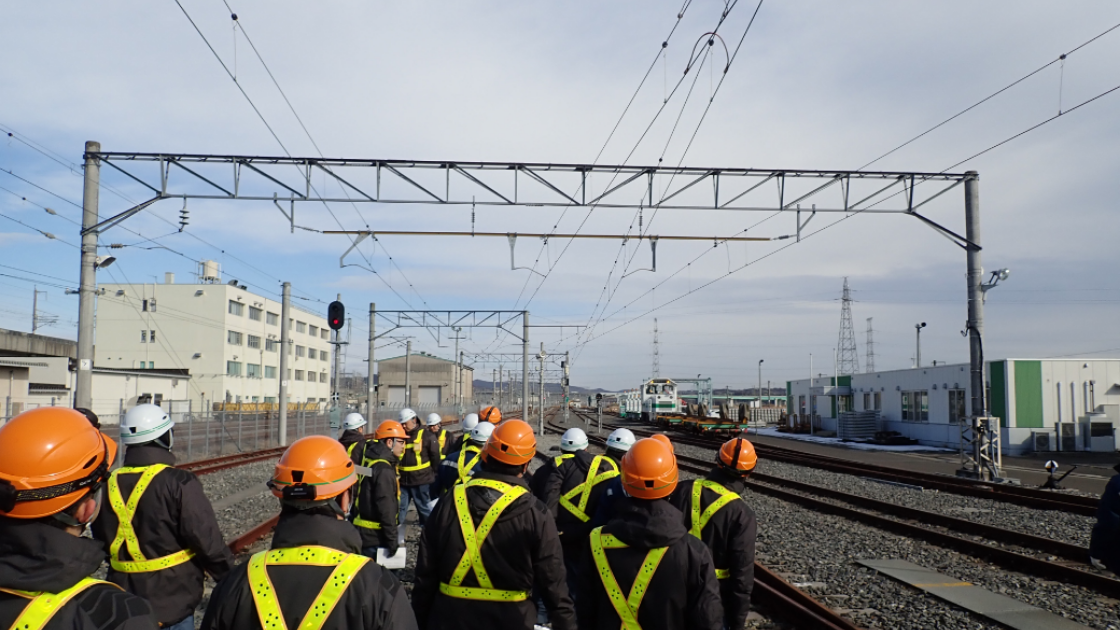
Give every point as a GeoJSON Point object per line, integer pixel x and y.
{"type": "Point", "coordinates": [609, 541]}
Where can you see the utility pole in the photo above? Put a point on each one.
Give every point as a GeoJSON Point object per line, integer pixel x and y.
{"type": "Point", "coordinates": [760, 383]}
{"type": "Point", "coordinates": [87, 290]}
{"type": "Point", "coordinates": [494, 388]}
{"type": "Point", "coordinates": [567, 383]}
{"type": "Point", "coordinates": [408, 373]}
{"type": "Point", "coordinates": [656, 352]}
{"type": "Point", "coordinates": [985, 465]}
{"type": "Point", "coordinates": [918, 344]}
{"type": "Point", "coordinates": [461, 384]}
{"type": "Point", "coordinates": [540, 392]}
{"type": "Point", "coordinates": [501, 385]}
{"type": "Point", "coordinates": [459, 375]}
{"type": "Point", "coordinates": [525, 367]}
{"type": "Point", "coordinates": [285, 340]}
{"type": "Point", "coordinates": [369, 368]}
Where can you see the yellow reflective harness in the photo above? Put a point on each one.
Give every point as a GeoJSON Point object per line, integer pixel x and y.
{"type": "Point", "coordinates": [442, 439]}
{"type": "Point", "coordinates": [559, 459]}
{"type": "Point", "coordinates": [43, 606]}
{"type": "Point", "coordinates": [625, 606]}
{"type": "Point", "coordinates": [583, 490]}
{"type": "Point", "coordinates": [417, 446]}
{"type": "Point", "coordinates": [700, 520]}
{"type": "Point", "coordinates": [466, 466]}
{"type": "Point", "coordinates": [126, 534]}
{"type": "Point", "coordinates": [358, 520]}
{"type": "Point", "coordinates": [346, 566]}
{"type": "Point", "coordinates": [473, 539]}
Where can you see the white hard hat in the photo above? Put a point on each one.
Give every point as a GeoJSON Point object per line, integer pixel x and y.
{"type": "Point", "coordinates": [621, 439]}
{"type": "Point", "coordinates": [406, 415]}
{"type": "Point", "coordinates": [469, 422]}
{"type": "Point", "coordinates": [574, 439]}
{"type": "Point", "coordinates": [434, 419]}
{"type": "Point", "coordinates": [145, 423]}
{"type": "Point", "coordinates": [481, 432]}
{"type": "Point", "coordinates": [353, 421]}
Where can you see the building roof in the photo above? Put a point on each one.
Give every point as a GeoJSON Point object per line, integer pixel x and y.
{"type": "Point", "coordinates": [422, 355]}
{"type": "Point", "coordinates": [152, 372]}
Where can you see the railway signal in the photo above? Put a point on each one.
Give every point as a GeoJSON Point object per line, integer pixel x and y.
{"type": "Point", "coordinates": [336, 315]}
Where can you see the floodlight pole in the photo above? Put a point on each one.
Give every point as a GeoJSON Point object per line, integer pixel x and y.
{"type": "Point", "coordinates": [285, 340]}
{"type": "Point", "coordinates": [369, 368]}
{"type": "Point", "coordinates": [87, 291]}
{"type": "Point", "coordinates": [525, 366]}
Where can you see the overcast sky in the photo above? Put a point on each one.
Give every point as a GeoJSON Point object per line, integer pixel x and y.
{"type": "Point", "coordinates": [816, 85]}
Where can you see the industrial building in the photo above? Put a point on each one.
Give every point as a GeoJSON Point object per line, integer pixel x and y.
{"type": "Point", "coordinates": [227, 337]}
{"type": "Point", "coordinates": [1036, 400]}
{"type": "Point", "coordinates": [434, 381]}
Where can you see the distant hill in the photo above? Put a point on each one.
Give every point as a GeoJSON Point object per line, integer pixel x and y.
{"type": "Point", "coordinates": [552, 388]}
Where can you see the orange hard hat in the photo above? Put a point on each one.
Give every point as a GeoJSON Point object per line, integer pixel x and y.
{"type": "Point", "coordinates": [491, 414]}
{"type": "Point", "coordinates": [50, 458]}
{"type": "Point", "coordinates": [649, 470]}
{"type": "Point", "coordinates": [738, 454]}
{"type": "Point", "coordinates": [512, 442]}
{"type": "Point", "coordinates": [313, 468]}
{"type": "Point", "coordinates": [664, 439]}
{"type": "Point", "coordinates": [390, 429]}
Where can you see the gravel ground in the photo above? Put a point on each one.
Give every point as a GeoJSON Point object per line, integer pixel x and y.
{"type": "Point", "coordinates": [223, 483]}
{"type": "Point", "coordinates": [790, 542]}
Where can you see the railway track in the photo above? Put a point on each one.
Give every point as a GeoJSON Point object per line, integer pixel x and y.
{"type": "Point", "coordinates": [1018, 495]}
{"type": "Point", "coordinates": [215, 464]}
{"type": "Point", "coordinates": [1069, 564]}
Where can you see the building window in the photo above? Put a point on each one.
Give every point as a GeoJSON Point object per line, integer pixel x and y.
{"type": "Point", "coordinates": [270, 399]}
{"type": "Point", "coordinates": [957, 409]}
{"type": "Point", "coordinates": [143, 336]}
{"type": "Point", "coordinates": [311, 354]}
{"type": "Point", "coordinates": [313, 331]}
{"type": "Point", "coordinates": [255, 313]}
{"type": "Point", "coordinates": [272, 319]}
{"type": "Point", "coordinates": [324, 333]}
{"type": "Point", "coordinates": [144, 306]}
{"type": "Point", "coordinates": [301, 327]}
{"type": "Point", "coordinates": [254, 342]}
{"type": "Point", "coordinates": [252, 370]}
{"type": "Point", "coordinates": [236, 308]}
{"type": "Point", "coordinates": [233, 337]}
{"type": "Point", "coordinates": [270, 345]}
{"type": "Point", "coordinates": [233, 368]}
{"type": "Point", "coordinates": [323, 356]}
{"type": "Point", "coordinates": [915, 406]}
{"type": "Point", "coordinates": [323, 378]}
{"type": "Point", "coordinates": [299, 375]}
{"type": "Point", "coordinates": [151, 336]}
{"type": "Point", "coordinates": [270, 371]}
{"type": "Point", "coordinates": [867, 401]}
{"type": "Point", "coordinates": [878, 401]}
{"type": "Point", "coordinates": [301, 351]}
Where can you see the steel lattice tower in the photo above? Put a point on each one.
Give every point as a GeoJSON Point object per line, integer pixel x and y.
{"type": "Point", "coordinates": [870, 363]}
{"type": "Point", "coordinates": [656, 352]}
{"type": "Point", "coordinates": [848, 362]}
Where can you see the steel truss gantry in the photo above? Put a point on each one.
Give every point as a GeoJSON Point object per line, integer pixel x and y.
{"type": "Point", "coordinates": [534, 184]}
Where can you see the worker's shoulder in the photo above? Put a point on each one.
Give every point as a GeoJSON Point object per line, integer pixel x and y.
{"type": "Point", "coordinates": [374, 577]}
{"type": "Point", "coordinates": [106, 607]}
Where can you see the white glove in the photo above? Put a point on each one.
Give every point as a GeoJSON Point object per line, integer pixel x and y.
{"type": "Point", "coordinates": [1098, 564]}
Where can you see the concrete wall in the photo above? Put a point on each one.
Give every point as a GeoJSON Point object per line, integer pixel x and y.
{"type": "Point", "coordinates": [13, 390]}
{"type": "Point", "coordinates": [192, 324]}
{"type": "Point", "coordinates": [15, 343]}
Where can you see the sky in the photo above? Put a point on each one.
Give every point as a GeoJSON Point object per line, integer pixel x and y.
{"type": "Point", "coordinates": [813, 85]}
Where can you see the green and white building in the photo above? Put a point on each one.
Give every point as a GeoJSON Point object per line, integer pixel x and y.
{"type": "Point", "coordinates": [1036, 400]}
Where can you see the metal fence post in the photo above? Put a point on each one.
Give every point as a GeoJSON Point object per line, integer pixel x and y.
{"type": "Point", "coordinates": [240, 420]}
{"type": "Point", "coordinates": [190, 431]}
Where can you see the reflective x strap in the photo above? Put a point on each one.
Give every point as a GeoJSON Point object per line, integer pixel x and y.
{"type": "Point", "coordinates": [465, 468]}
{"type": "Point", "coordinates": [626, 607]}
{"type": "Point", "coordinates": [723, 574]}
{"type": "Point", "coordinates": [473, 539]}
{"type": "Point", "coordinates": [559, 459]}
{"type": "Point", "coordinates": [359, 521]}
{"type": "Point", "coordinates": [483, 594]}
{"type": "Point", "coordinates": [584, 489]}
{"type": "Point", "coordinates": [126, 533]}
{"type": "Point", "coordinates": [417, 447]}
{"type": "Point", "coordinates": [700, 520]}
{"type": "Point", "coordinates": [442, 439]}
{"type": "Point", "coordinates": [43, 606]}
{"type": "Point", "coordinates": [346, 567]}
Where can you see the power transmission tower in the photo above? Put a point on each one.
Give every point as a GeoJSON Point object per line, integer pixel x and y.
{"type": "Point", "coordinates": [656, 352]}
{"type": "Point", "coordinates": [870, 347]}
{"type": "Point", "coordinates": [848, 361]}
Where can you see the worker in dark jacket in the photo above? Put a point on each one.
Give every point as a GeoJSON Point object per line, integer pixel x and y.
{"type": "Point", "coordinates": [434, 424]}
{"type": "Point", "coordinates": [459, 466]}
{"type": "Point", "coordinates": [646, 550]}
{"type": "Point", "coordinates": [417, 467]}
{"type": "Point", "coordinates": [378, 502]}
{"type": "Point", "coordinates": [313, 576]}
{"type": "Point", "coordinates": [1104, 545]}
{"type": "Point", "coordinates": [618, 444]}
{"type": "Point", "coordinates": [158, 524]}
{"type": "Point", "coordinates": [715, 512]}
{"type": "Point", "coordinates": [352, 435]}
{"type": "Point", "coordinates": [53, 469]}
{"type": "Point", "coordinates": [486, 548]}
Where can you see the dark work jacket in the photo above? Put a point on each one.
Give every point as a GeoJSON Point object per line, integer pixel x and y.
{"type": "Point", "coordinates": [448, 473]}
{"type": "Point", "coordinates": [1104, 545]}
{"type": "Point", "coordinates": [35, 556]}
{"type": "Point", "coordinates": [373, 600]}
{"type": "Point", "coordinates": [447, 441]}
{"type": "Point", "coordinates": [571, 473]}
{"type": "Point", "coordinates": [352, 436]}
{"type": "Point", "coordinates": [539, 479]}
{"type": "Point", "coordinates": [730, 536]}
{"type": "Point", "coordinates": [522, 550]}
{"type": "Point", "coordinates": [429, 452]}
{"type": "Point", "coordinates": [378, 498]}
{"type": "Point", "coordinates": [611, 492]}
{"type": "Point", "coordinates": [459, 439]}
{"type": "Point", "coordinates": [682, 595]}
{"type": "Point", "coordinates": [173, 514]}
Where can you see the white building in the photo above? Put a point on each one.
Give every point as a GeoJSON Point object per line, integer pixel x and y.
{"type": "Point", "coordinates": [1036, 400]}
{"type": "Point", "coordinates": [227, 337]}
